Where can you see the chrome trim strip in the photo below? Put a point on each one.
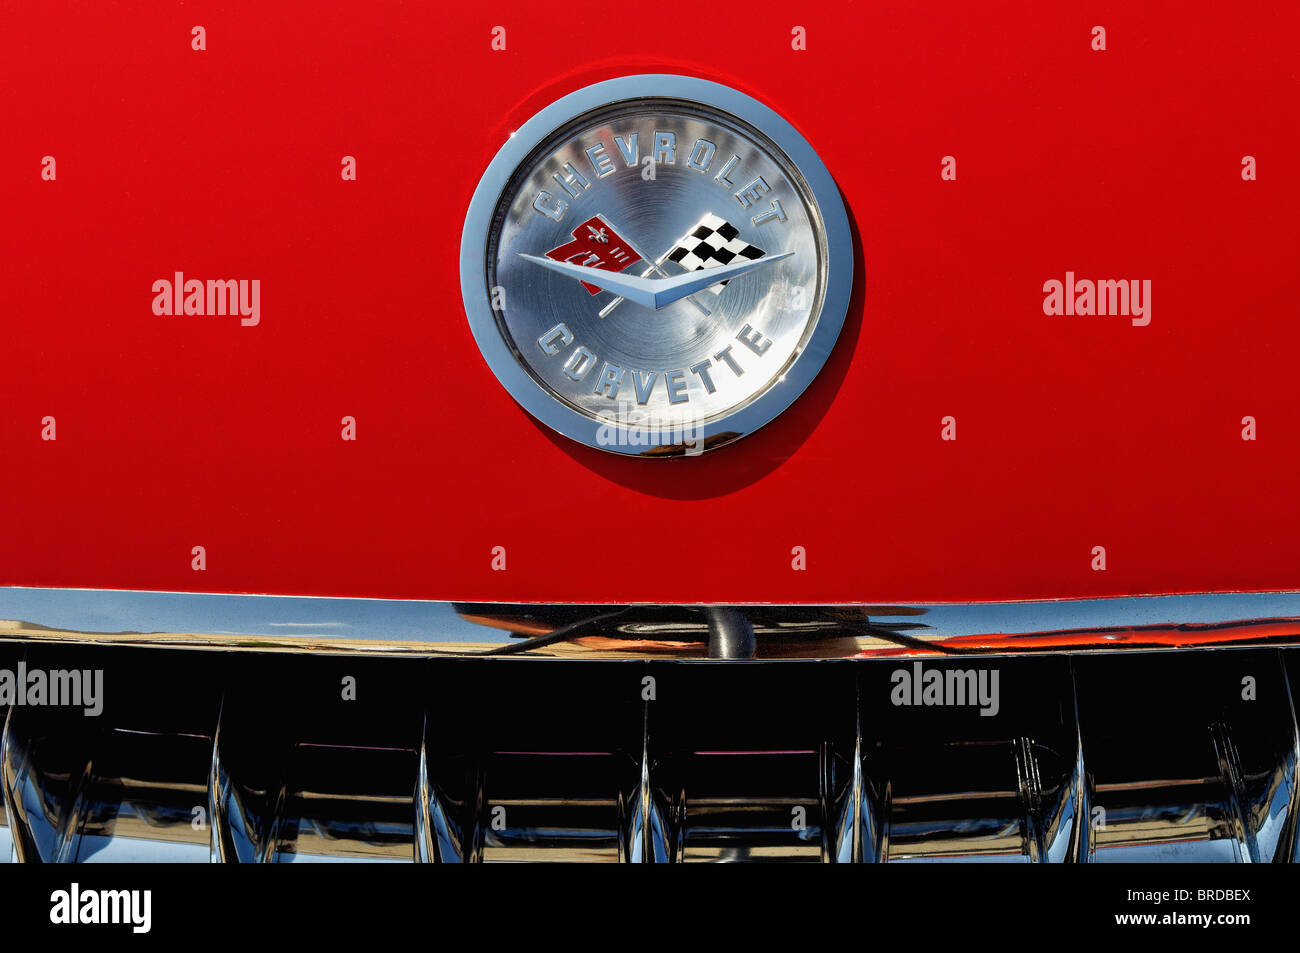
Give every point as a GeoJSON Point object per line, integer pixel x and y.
{"type": "Point", "coordinates": [271, 623]}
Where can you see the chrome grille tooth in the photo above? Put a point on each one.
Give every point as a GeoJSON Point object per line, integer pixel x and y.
{"type": "Point", "coordinates": [438, 839]}
{"type": "Point", "coordinates": [8, 851]}
{"type": "Point", "coordinates": [1267, 793]}
{"type": "Point", "coordinates": [14, 770]}
{"type": "Point", "coordinates": [240, 827]}
{"type": "Point", "coordinates": [649, 837]}
{"type": "Point", "coordinates": [849, 840]}
{"type": "Point", "coordinates": [875, 824]}
{"type": "Point", "coordinates": [221, 845]}
{"type": "Point", "coordinates": [1059, 824]}
{"type": "Point", "coordinates": [1230, 774]}
{"type": "Point", "coordinates": [856, 801]}
{"type": "Point", "coordinates": [1079, 846]}
{"type": "Point", "coordinates": [477, 828]}
{"type": "Point", "coordinates": [1287, 849]}
{"type": "Point", "coordinates": [449, 803]}
{"type": "Point", "coordinates": [826, 801]}
{"type": "Point", "coordinates": [68, 845]}
{"type": "Point", "coordinates": [475, 835]}
{"type": "Point", "coordinates": [8, 838]}
{"type": "Point", "coordinates": [44, 790]}
{"type": "Point", "coordinates": [853, 828]}
{"type": "Point", "coordinates": [1031, 794]}
{"type": "Point", "coordinates": [18, 841]}
{"type": "Point", "coordinates": [271, 853]}
{"type": "Point", "coordinates": [1053, 824]}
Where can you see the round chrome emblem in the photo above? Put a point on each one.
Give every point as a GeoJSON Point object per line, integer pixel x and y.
{"type": "Point", "coordinates": [656, 265]}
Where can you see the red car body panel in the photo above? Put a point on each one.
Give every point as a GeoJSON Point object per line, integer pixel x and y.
{"type": "Point", "coordinates": [1073, 432]}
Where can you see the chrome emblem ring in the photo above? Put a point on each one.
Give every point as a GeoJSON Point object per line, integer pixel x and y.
{"type": "Point", "coordinates": [656, 265]}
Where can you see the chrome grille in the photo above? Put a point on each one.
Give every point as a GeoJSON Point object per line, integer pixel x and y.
{"type": "Point", "coordinates": [1169, 755]}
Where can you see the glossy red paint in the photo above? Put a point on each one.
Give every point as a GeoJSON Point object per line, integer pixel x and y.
{"type": "Point", "coordinates": [1072, 432]}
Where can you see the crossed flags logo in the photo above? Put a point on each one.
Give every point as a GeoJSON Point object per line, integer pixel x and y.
{"type": "Point", "coordinates": [596, 245]}
{"type": "Point", "coordinates": [711, 242]}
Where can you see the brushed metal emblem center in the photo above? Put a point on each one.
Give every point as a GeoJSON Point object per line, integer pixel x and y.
{"type": "Point", "coordinates": [656, 265]}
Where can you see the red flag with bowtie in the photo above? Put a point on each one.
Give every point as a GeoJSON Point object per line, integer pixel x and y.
{"type": "Point", "coordinates": [596, 245]}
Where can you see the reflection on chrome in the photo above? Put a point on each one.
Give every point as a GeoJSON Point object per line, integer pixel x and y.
{"type": "Point", "coordinates": [263, 757]}
{"type": "Point", "coordinates": [406, 627]}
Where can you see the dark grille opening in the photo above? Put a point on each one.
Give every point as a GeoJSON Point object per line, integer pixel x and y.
{"type": "Point", "coordinates": [1194, 762]}
{"type": "Point", "coordinates": [250, 757]}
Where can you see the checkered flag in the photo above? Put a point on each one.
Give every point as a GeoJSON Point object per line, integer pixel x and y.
{"type": "Point", "coordinates": [713, 242]}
